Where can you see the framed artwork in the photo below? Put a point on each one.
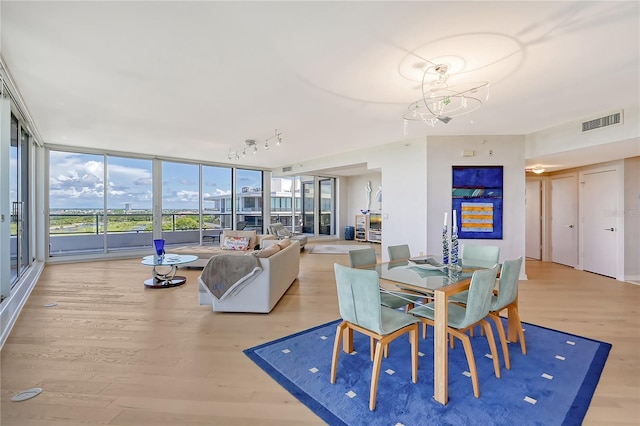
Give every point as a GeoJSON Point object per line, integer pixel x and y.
{"type": "Point", "coordinates": [477, 199]}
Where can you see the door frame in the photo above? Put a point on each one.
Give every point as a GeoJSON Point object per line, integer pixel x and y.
{"type": "Point", "coordinates": [618, 215]}
{"type": "Point", "coordinates": [541, 213]}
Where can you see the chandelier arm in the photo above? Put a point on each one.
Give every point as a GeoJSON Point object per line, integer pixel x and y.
{"type": "Point", "coordinates": [426, 104]}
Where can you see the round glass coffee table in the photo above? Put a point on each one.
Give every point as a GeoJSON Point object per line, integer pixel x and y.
{"type": "Point", "coordinates": [164, 274]}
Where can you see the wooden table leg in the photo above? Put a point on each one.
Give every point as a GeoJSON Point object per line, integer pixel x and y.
{"type": "Point", "coordinates": [440, 349]}
{"type": "Point", "coordinates": [512, 325]}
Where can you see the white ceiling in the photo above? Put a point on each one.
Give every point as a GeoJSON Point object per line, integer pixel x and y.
{"type": "Point", "coordinates": [195, 79]}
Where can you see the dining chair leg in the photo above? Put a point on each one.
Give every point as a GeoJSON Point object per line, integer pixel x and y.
{"type": "Point", "coordinates": [523, 344]}
{"type": "Point", "coordinates": [372, 347]}
{"type": "Point", "coordinates": [375, 374]}
{"type": "Point", "coordinates": [503, 340]}
{"type": "Point", "coordinates": [492, 345]}
{"type": "Point", "coordinates": [466, 343]}
{"type": "Point", "coordinates": [336, 350]}
{"type": "Point", "coordinates": [372, 344]}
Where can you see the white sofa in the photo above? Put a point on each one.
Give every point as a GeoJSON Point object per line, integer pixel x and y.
{"type": "Point", "coordinates": [260, 295]}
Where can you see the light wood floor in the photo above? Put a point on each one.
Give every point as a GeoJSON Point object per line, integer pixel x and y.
{"type": "Point", "coordinates": [112, 352]}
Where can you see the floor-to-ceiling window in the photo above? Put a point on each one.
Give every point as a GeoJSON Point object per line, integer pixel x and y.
{"type": "Point", "coordinates": [180, 202]}
{"type": "Point", "coordinates": [102, 203]}
{"type": "Point", "coordinates": [249, 198]}
{"type": "Point", "coordinates": [129, 189]}
{"type": "Point", "coordinates": [282, 201]}
{"type": "Point", "coordinates": [217, 201]}
{"type": "Point", "coordinates": [76, 203]}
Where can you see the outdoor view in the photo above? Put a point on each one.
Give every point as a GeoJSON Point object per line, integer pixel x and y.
{"type": "Point", "coordinates": [79, 198]}
{"type": "Point", "coordinates": [106, 202]}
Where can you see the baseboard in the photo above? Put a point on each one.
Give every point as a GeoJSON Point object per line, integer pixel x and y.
{"type": "Point", "coordinates": [633, 279]}
{"type": "Point", "coordinates": [12, 305]}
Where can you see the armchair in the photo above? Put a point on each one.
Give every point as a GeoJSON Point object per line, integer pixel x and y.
{"type": "Point", "coordinates": [280, 232]}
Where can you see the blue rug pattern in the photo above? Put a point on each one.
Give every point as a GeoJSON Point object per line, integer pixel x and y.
{"type": "Point", "coordinates": [552, 385]}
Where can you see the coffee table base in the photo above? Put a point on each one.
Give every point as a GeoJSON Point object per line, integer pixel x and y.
{"type": "Point", "coordinates": [173, 282]}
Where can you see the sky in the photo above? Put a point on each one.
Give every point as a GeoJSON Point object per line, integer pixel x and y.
{"type": "Point", "coordinates": [77, 181]}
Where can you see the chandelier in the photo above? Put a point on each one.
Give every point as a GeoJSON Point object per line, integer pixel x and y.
{"type": "Point", "coordinates": [442, 101]}
{"type": "Point", "coordinates": [251, 146]}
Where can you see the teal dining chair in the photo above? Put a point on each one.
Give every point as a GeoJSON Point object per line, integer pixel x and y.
{"type": "Point", "coordinates": [479, 255]}
{"type": "Point", "coordinates": [367, 257]}
{"type": "Point", "coordinates": [504, 298]}
{"type": "Point", "coordinates": [399, 252]}
{"type": "Point", "coordinates": [361, 311]}
{"type": "Point", "coordinates": [362, 257]}
{"type": "Point", "coordinates": [462, 318]}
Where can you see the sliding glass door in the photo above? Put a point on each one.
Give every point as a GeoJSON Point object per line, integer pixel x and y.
{"type": "Point", "coordinates": [19, 198]}
{"type": "Point", "coordinates": [327, 197]}
{"type": "Point", "coordinates": [308, 205]}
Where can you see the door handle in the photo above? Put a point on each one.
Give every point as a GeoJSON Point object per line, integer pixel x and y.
{"type": "Point", "coordinates": [609, 229]}
{"type": "Point", "coordinates": [569, 226]}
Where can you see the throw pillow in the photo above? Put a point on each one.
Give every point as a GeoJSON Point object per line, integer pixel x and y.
{"type": "Point", "coordinates": [284, 243]}
{"type": "Point", "coordinates": [269, 251]}
{"type": "Point", "coordinates": [253, 238]}
{"type": "Point", "coordinates": [235, 243]}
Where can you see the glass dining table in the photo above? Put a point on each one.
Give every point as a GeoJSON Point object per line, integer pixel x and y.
{"type": "Point", "coordinates": [413, 276]}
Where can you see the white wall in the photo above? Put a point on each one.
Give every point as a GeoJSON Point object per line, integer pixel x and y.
{"type": "Point", "coordinates": [405, 201]}
{"type": "Point", "coordinates": [356, 193]}
{"type": "Point", "coordinates": [569, 136]}
{"type": "Point", "coordinates": [507, 151]}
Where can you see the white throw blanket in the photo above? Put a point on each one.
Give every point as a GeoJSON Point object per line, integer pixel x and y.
{"type": "Point", "coordinates": [227, 274]}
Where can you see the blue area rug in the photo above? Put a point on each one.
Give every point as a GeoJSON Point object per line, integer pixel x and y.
{"type": "Point", "coordinates": [552, 385]}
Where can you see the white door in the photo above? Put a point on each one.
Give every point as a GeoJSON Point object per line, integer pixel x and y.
{"type": "Point", "coordinates": [564, 220]}
{"type": "Point", "coordinates": [599, 227]}
{"type": "Point", "coordinates": [533, 215]}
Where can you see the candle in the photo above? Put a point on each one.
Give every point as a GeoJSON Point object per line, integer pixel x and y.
{"type": "Point", "coordinates": [455, 220]}
{"type": "Point", "coordinates": [445, 219]}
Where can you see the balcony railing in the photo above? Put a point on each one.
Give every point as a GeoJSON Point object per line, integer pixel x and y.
{"type": "Point", "coordinates": [83, 233]}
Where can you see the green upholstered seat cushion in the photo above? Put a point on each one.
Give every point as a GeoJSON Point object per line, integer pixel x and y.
{"type": "Point", "coordinates": [393, 320]}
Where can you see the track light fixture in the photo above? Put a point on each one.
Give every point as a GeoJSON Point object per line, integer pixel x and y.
{"type": "Point", "coordinates": [252, 146]}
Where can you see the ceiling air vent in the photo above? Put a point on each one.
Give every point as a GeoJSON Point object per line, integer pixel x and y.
{"type": "Point", "coordinates": [286, 169]}
{"type": "Point", "coordinates": [608, 120]}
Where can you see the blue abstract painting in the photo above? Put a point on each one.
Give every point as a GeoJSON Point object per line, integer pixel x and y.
{"type": "Point", "coordinates": [477, 198]}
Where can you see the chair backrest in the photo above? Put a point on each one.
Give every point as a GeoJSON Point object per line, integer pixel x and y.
{"type": "Point", "coordinates": [359, 297]}
{"type": "Point", "coordinates": [362, 257]}
{"type": "Point", "coordinates": [508, 283]}
{"type": "Point", "coordinates": [479, 299]}
{"type": "Point", "coordinates": [479, 255]}
{"type": "Point", "coordinates": [241, 225]}
{"type": "Point", "coordinates": [399, 252]}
